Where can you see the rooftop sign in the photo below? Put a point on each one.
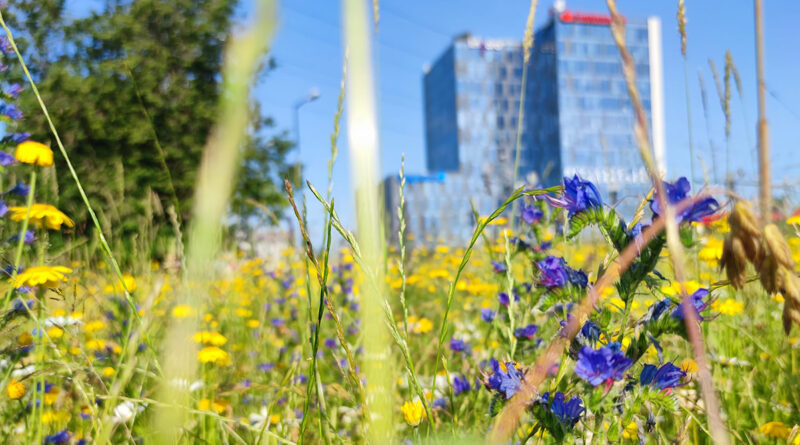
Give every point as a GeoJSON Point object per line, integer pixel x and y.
{"type": "Point", "coordinates": [587, 18]}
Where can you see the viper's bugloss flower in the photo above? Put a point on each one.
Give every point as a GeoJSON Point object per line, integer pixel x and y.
{"type": "Point", "coordinates": [658, 309]}
{"type": "Point", "coordinates": [502, 297]}
{"type": "Point", "coordinates": [531, 214]}
{"type": "Point", "coordinates": [3, 208]}
{"type": "Point", "coordinates": [665, 377]}
{"type": "Point", "coordinates": [606, 364]}
{"type": "Point", "coordinates": [30, 237]}
{"type": "Point", "coordinates": [458, 345]}
{"type": "Point", "coordinates": [58, 438]}
{"type": "Point", "coordinates": [697, 300]}
{"type": "Point", "coordinates": [460, 384]}
{"type": "Point", "coordinates": [13, 90]}
{"type": "Point", "coordinates": [678, 191]}
{"type": "Point", "coordinates": [10, 111]}
{"type": "Point", "coordinates": [499, 267]}
{"type": "Point", "coordinates": [567, 411]}
{"type": "Point", "coordinates": [17, 138]}
{"type": "Point", "coordinates": [590, 331]}
{"type": "Point", "coordinates": [330, 343]}
{"type": "Point", "coordinates": [6, 159]}
{"type": "Point", "coordinates": [5, 46]}
{"type": "Point", "coordinates": [526, 332]}
{"type": "Point", "coordinates": [505, 379]}
{"type": "Point", "coordinates": [487, 315]}
{"type": "Point", "coordinates": [578, 196]}
{"type": "Point", "coordinates": [556, 273]}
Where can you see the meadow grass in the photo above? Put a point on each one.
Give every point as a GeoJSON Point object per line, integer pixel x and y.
{"type": "Point", "coordinates": [352, 341]}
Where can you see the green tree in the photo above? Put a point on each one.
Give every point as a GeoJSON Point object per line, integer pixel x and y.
{"type": "Point", "coordinates": [133, 90]}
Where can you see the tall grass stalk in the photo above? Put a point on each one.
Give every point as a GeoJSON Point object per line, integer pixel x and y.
{"type": "Point", "coordinates": [764, 174]}
{"type": "Point", "coordinates": [527, 46]}
{"type": "Point", "coordinates": [215, 180]}
{"type": "Point", "coordinates": [677, 256]}
{"type": "Point", "coordinates": [681, 17]}
{"type": "Point", "coordinates": [362, 131]}
{"type": "Point", "coordinates": [704, 101]}
{"type": "Point", "coordinates": [387, 310]}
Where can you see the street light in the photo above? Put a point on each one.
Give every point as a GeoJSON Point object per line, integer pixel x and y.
{"type": "Point", "coordinates": [313, 95]}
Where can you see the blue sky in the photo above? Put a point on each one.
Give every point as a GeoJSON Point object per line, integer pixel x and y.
{"type": "Point", "coordinates": [412, 33]}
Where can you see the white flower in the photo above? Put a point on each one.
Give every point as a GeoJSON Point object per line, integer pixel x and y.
{"type": "Point", "coordinates": [61, 321]}
{"type": "Point", "coordinates": [23, 372]}
{"type": "Point", "coordinates": [125, 411]}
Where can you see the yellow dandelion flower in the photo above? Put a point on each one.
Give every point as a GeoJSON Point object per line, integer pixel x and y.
{"type": "Point", "coordinates": [25, 339]}
{"type": "Point", "coordinates": [15, 389]}
{"type": "Point", "coordinates": [42, 215]}
{"type": "Point", "coordinates": [775, 430]}
{"type": "Point", "coordinates": [689, 366]}
{"type": "Point", "coordinates": [47, 276]}
{"type": "Point", "coordinates": [728, 306]}
{"type": "Point", "coordinates": [631, 431]}
{"type": "Point", "coordinates": [274, 419]}
{"type": "Point", "coordinates": [93, 326]}
{"type": "Point", "coordinates": [209, 338]}
{"type": "Point", "coordinates": [208, 405]}
{"type": "Point", "coordinates": [212, 354]}
{"type": "Point", "coordinates": [182, 311]}
{"type": "Point", "coordinates": [51, 396]}
{"type": "Point", "coordinates": [35, 153]}
{"type": "Point", "coordinates": [95, 344]}
{"type": "Point", "coordinates": [423, 326]}
{"type": "Point", "coordinates": [413, 412]}
{"type": "Point", "coordinates": [252, 323]}
{"type": "Point", "coordinates": [795, 219]}
{"type": "Point", "coordinates": [108, 371]}
{"type": "Point", "coordinates": [55, 332]}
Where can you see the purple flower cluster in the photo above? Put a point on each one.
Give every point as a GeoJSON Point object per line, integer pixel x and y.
{"type": "Point", "coordinates": [527, 332]}
{"type": "Point", "coordinates": [676, 193]}
{"type": "Point", "coordinates": [505, 378]}
{"type": "Point", "coordinates": [531, 214]}
{"type": "Point", "coordinates": [458, 345]}
{"type": "Point", "coordinates": [488, 315]}
{"type": "Point", "coordinates": [556, 273]}
{"type": "Point", "coordinates": [578, 196]}
{"type": "Point", "coordinates": [567, 411]}
{"type": "Point", "coordinates": [460, 384]}
{"type": "Point", "coordinates": [606, 364]}
{"type": "Point", "coordinates": [697, 300]}
{"type": "Point", "coordinates": [666, 377]}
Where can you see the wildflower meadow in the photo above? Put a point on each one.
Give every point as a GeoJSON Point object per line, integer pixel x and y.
{"type": "Point", "coordinates": [559, 321]}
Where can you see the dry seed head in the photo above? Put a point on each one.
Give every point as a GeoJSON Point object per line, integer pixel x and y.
{"type": "Point", "coordinates": [777, 247]}
{"type": "Point", "coordinates": [734, 261]}
{"type": "Point", "coordinates": [742, 219]}
{"type": "Point", "coordinates": [682, 25]}
{"type": "Point", "coordinates": [791, 307]}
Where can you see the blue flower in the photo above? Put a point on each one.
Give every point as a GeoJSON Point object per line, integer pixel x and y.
{"type": "Point", "coordinates": [6, 159]}
{"type": "Point", "coordinates": [11, 111]}
{"type": "Point", "coordinates": [531, 214]}
{"type": "Point", "coordinates": [591, 331]}
{"type": "Point", "coordinates": [505, 378]}
{"type": "Point", "coordinates": [526, 332]}
{"type": "Point", "coordinates": [58, 438]}
{"type": "Point", "coordinates": [499, 267]}
{"type": "Point", "coordinates": [578, 196]}
{"type": "Point", "coordinates": [606, 364]}
{"type": "Point", "coordinates": [487, 315]}
{"type": "Point", "coordinates": [14, 90]}
{"type": "Point", "coordinates": [568, 412]}
{"type": "Point", "coordinates": [665, 377]}
{"type": "Point", "coordinates": [502, 297]}
{"type": "Point", "coordinates": [30, 237]}
{"type": "Point", "coordinates": [457, 345]}
{"type": "Point", "coordinates": [460, 384]}
{"type": "Point", "coordinates": [698, 302]}
{"type": "Point", "coordinates": [658, 309]}
{"type": "Point", "coordinates": [676, 193]}
{"type": "Point", "coordinates": [556, 273]}
{"type": "Point", "coordinates": [330, 343]}
{"type": "Point", "coordinates": [3, 208]}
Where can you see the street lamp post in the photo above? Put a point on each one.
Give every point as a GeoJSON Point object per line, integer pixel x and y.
{"type": "Point", "coordinates": [311, 97]}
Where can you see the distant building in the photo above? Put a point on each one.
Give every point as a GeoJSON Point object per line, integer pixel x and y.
{"type": "Point", "coordinates": [578, 110]}
{"type": "Point", "coordinates": [577, 118]}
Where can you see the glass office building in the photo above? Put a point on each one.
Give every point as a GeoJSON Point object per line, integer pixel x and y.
{"type": "Point", "coordinates": [577, 118]}
{"type": "Point", "coordinates": [578, 110]}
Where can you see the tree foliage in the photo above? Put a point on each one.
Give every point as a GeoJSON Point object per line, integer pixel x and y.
{"type": "Point", "coordinates": [133, 89]}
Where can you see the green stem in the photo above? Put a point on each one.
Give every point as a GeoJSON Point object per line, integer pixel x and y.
{"type": "Point", "coordinates": [21, 241]}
